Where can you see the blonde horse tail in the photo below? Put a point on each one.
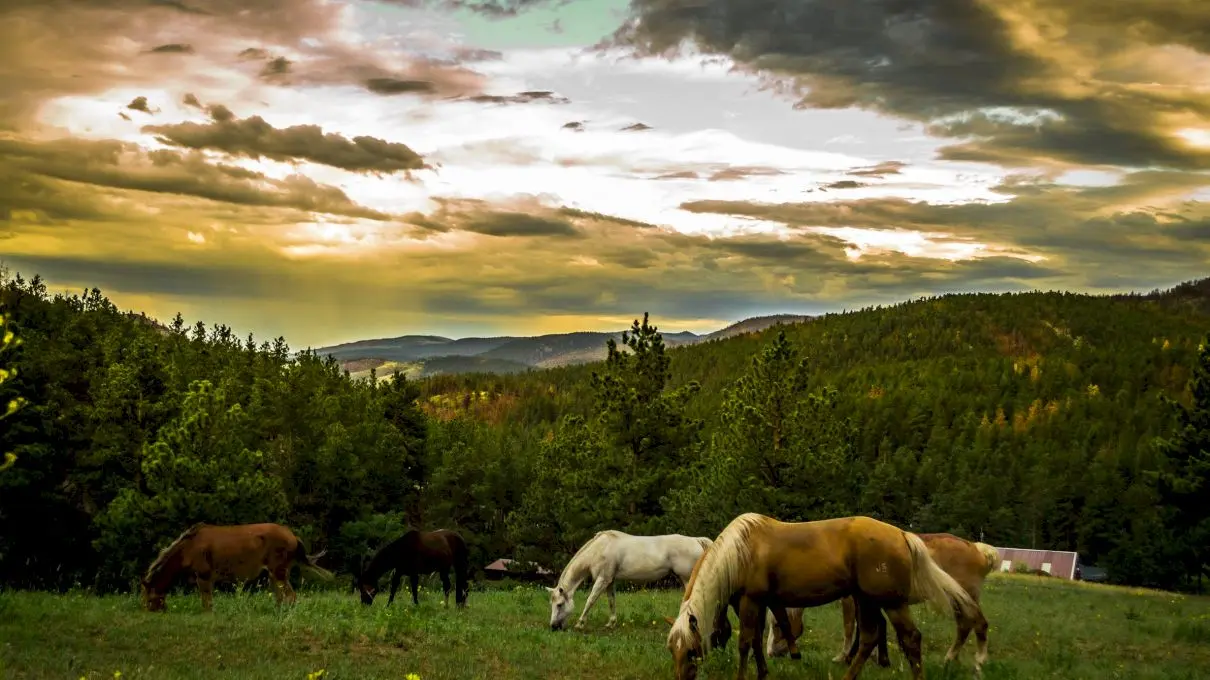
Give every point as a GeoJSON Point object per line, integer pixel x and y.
{"type": "Point", "coordinates": [990, 554]}
{"type": "Point", "coordinates": [307, 562]}
{"type": "Point", "coordinates": [931, 583]}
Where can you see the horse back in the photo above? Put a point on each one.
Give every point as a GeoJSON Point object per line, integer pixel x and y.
{"type": "Point", "coordinates": [807, 564]}
{"type": "Point", "coordinates": [959, 558]}
{"type": "Point", "coordinates": [241, 550]}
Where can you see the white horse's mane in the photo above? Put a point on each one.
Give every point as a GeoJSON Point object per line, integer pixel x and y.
{"type": "Point", "coordinates": [722, 566]}
{"type": "Point", "coordinates": [571, 577]}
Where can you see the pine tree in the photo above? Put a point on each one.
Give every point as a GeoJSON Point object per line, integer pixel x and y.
{"type": "Point", "coordinates": [643, 420]}
{"type": "Point", "coordinates": [1184, 482]}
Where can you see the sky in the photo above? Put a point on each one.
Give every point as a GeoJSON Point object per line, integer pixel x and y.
{"type": "Point", "coordinates": [335, 170]}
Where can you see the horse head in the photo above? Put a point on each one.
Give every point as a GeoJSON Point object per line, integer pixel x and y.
{"type": "Point", "coordinates": [366, 589]}
{"type": "Point", "coordinates": [685, 644]}
{"type": "Point", "coordinates": [562, 604]}
{"type": "Point", "coordinates": [151, 597]}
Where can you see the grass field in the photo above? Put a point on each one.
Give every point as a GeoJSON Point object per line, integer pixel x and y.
{"type": "Point", "coordinates": [1039, 628]}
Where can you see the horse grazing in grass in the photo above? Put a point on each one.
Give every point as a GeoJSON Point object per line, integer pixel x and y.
{"type": "Point", "coordinates": [214, 554]}
{"type": "Point", "coordinates": [611, 556]}
{"type": "Point", "coordinates": [968, 562]}
{"type": "Point", "coordinates": [758, 563]}
{"type": "Point", "coordinates": [416, 553]}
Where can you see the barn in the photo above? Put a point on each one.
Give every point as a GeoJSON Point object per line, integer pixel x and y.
{"type": "Point", "coordinates": [1060, 563]}
{"type": "Point", "coordinates": [504, 567]}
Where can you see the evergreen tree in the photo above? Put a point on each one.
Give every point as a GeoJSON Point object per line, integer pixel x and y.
{"type": "Point", "coordinates": [1184, 481]}
{"type": "Point", "coordinates": [781, 450]}
{"type": "Point", "coordinates": [8, 404]}
{"type": "Point", "coordinates": [642, 420]}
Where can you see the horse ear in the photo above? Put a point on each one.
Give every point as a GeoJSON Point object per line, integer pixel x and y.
{"type": "Point", "coordinates": [693, 624]}
{"type": "Point", "coordinates": [671, 621]}
{"type": "Point", "coordinates": [549, 589]}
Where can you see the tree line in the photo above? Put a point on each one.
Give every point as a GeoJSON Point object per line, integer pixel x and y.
{"type": "Point", "coordinates": [1047, 420]}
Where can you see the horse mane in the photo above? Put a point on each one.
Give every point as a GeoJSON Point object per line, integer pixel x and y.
{"type": "Point", "coordinates": [719, 568]}
{"type": "Point", "coordinates": [704, 542]}
{"type": "Point", "coordinates": [990, 554]}
{"type": "Point", "coordinates": [590, 547]}
{"type": "Point", "coordinates": [161, 560]}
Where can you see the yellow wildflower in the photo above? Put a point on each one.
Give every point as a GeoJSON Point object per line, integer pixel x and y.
{"type": "Point", "coordinates": [412, 676]}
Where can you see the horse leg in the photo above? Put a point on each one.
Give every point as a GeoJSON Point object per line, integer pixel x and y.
{"type": "Point", "coordinates": [396, 577]}
{"type": "Point", "coordinates": [868, 613]}
{"type": "Point", "coordinates": [613, 606]}
{"type": "Point", "coordinates": [848, 610]}
{"type": "Point", "coordinates": [414, 581]}
{"type": "Point", "coordinates": [909, 638]}
{"type": "Point", "coordinates": [445, 586]}
{"type": "Point", "coordinates": [205, 588]}
{"type": "Point", "coordinates": [981, 638]}
{"type": "Point", "coordinates": [282, 576]}
{"type": "Point", "coordinates": [782, 617]}
{"type": "Point", "coordinates": [884, 657]}
{"type": "Point", "coordinates": [598, 587]}
{"type": "Point", "coordinates": [751, 622]}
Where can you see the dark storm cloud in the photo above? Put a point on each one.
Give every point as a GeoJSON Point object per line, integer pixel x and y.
{"type": "Point", "coordinates": [520, 98]}
{"type": "Point", "coordinates": [390, 86]}
{"type": "Point", "coordinates": [254, 138]}
{"type": "Point", "coordinates": [520, 224]}
{"type": "Point", "coordinates": [1026, 81]}
{"type": "Point", "coordinates": [173, 48]}
{"type": "Point", "coordinates": [119, 165]}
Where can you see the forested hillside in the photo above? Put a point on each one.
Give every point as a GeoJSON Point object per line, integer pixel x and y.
{"type": "Point", "coordinates": [1036, 419]}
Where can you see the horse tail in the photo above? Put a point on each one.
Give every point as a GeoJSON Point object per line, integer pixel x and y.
{"type": "Point", "coordinates": [990, 554]}
{"type": "Point", "coordinates": [462, 566]}
{"type": "Point", "coordinates": [307, 562]}
{"type": "Point", "coordinates": [930, 582]}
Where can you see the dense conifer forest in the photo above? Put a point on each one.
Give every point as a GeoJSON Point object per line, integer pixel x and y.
{"type": "Point", "coordinates": [1048, 420]}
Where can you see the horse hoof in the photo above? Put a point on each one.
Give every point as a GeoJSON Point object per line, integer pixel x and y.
{"type": "Point", "coordinates": [796, 656]}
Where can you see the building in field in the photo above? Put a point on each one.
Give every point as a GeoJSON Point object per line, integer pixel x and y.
{"type": "Point", "coordinates": [1060, 563]}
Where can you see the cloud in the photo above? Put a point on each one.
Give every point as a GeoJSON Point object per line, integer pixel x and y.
{"type": "Point", "coordinates": [390, 86]}
{"type": "Point", "coordinates": [139, 104]}
{"type": "Point", "coordinates": [1094, 234]}
{"type": "Point", "coordinates": [520, 98]}
{"type": "Point", "coordinates": [191, 99]}
{"type": "Point", "coordinates": [880, 170]}
{"type": "Point", "coordinates": [37, 171]}
{"type": "Point", "coordinates": [254, 138]}
{"type": "Point", "coordinates": [1017, 82]}
{"type": "Point", "coordinates": [173, 48]}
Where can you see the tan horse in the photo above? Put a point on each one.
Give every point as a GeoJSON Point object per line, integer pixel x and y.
{"type": "Point", "coordinates": [968, 562]}
{"type": "Point", "coordinates": [227, 553]}
{"type": "Point", "coordinates": [759, 563]}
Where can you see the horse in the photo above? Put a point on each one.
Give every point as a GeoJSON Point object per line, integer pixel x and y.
{"type": "Point", "coordinates": [611, 556]}
{"type": "Point", "coordinates": [968, 562]}
{"type": "Point", "coordinates": [758, 562]}
{"type": "Point", "coordinates": [415, 553]}
{"type": "Point", "coordinates": [227, 553]}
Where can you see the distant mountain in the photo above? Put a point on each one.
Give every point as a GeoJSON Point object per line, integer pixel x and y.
{"type": "Point", "coordinates": [424, 355]}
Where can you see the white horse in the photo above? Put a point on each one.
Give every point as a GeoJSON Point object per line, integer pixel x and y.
{"type": "Point", "coordinates": [611, 556]}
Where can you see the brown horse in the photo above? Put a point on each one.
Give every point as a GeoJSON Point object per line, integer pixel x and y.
{"type": "Point", "coordinates": [968, 562]}
{"type": "Point", "coordinates": [758, 562]}
{"type": "Point", "coordinates": [415, 553]}
{"type": "Point", "coordinates": [213, 554]}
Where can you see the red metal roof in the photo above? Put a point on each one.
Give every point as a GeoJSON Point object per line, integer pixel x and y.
{"type": "Point", "coordinates": [1059, 563]}
{"type": "Point", "coordinates": [502, 565]}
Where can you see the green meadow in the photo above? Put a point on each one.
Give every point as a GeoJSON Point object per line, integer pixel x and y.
{"type": "Point", "coordinates": [1040, 628]}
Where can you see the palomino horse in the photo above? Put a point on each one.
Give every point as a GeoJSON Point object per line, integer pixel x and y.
{"type": "Point", "coordinates": [758, 562]}
{"type": "Point", "coordinates": [968, 562]}
{"type": "Point", "coordinates": [611, 556]}
{"type": "Point", "coordinates": [228, 553]}
{"type": "Point", "coordinates": [416, 553]}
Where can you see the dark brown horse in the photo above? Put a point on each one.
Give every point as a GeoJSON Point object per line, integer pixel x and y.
{"type": "Point", "coordinates": [416, 553]}
{"type": "Point", "coordinates": [213, 554]}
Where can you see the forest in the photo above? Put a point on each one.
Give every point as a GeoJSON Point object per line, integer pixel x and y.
{"type": "Point", "coordinates": [1043, 419]}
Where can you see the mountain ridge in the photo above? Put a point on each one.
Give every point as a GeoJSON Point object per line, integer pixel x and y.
{"type": "Point", "coordinates": [422, 354]}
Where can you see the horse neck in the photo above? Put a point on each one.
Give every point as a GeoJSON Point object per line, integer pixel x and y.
{"type": "Point", "coordinates": [167, 570]}
{"type": "Point", "coordinates": [386, 559]}
{"type": "Point", "coordinates": [578, 569]}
